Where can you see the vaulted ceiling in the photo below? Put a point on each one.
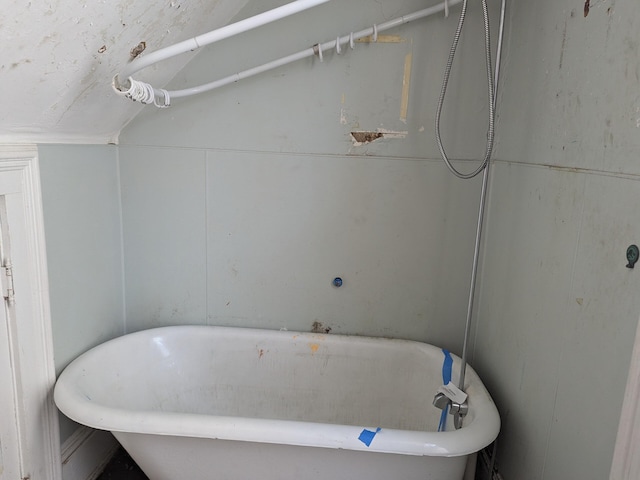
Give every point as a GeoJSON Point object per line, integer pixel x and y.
{"type": "Point", "coordinates": [58, 58]}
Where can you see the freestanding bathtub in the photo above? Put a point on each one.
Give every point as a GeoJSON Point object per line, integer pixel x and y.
{"type": "Point", "coordinates": [217, 403]}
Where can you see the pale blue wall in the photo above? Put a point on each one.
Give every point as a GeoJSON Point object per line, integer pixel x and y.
{"type": "Point", "coordinates": [80, 196]}
{"type": "Point", "coordinates": [557, 308]}
{"type": "Point", "coordinates": [241, 205]}
{"type": "Point", "coordinates": [255, 240]}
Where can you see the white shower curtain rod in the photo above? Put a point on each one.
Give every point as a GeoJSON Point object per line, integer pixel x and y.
{"type": "Point", "coordinates": [146, 94]}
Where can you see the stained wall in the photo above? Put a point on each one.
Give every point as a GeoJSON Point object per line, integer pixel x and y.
{"type": "Point", "coordinates": [558, 308]}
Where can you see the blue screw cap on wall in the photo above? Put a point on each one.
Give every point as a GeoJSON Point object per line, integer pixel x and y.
{"type": "Point", "coordinates": [337, 282]}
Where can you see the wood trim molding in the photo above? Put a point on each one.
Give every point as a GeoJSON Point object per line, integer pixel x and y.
{"type": "Point", "coordinates": [626, 456]}
{"type": "Point", "coordinates": [86, 452]}
{"type": "Point", "coordinates": [32, 334]}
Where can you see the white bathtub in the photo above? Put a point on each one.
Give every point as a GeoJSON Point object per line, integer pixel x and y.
{"type": "Point", "coordinates": [198, 402]}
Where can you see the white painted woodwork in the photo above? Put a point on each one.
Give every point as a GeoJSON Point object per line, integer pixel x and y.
{"type": "Point", "coordinates": [29, 431]}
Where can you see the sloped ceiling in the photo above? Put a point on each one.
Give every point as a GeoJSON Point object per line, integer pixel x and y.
{"type": "Point", "coordinates": [58, 58]}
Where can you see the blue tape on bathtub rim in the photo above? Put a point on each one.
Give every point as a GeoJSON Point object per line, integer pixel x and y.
{"type": "Point", "coordinates": [447, 366]}
{"type": "Point", "coordinates": [367, 436]}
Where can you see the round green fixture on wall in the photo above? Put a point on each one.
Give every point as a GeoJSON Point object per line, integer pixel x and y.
{"type": "Point", "coordinates": [632, 255]}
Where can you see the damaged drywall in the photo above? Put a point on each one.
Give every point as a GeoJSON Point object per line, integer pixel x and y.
{"type": "Point", "coordinates": [364, 137]}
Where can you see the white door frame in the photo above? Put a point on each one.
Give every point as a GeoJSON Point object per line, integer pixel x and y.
{"type": "Point", "coordinates": [31, 340]}
{"type": "Point", "coordinates": [626, 456]}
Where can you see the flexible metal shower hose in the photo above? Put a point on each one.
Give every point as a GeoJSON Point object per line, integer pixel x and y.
{"type": "Point", "coordinates": [445, 83]}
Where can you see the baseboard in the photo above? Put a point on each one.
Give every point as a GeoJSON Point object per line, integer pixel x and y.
{"type": "Point", "coordinates": [86, 452]}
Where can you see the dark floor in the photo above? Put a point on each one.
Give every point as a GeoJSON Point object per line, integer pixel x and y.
{"type": "Point", "coordinates": [122, 467]}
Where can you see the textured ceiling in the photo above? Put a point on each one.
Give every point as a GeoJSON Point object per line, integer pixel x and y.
{"type": "Point", "coordinates": [58, 58]}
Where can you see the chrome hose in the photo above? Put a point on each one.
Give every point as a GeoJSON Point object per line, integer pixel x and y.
{"type": "Point", "coordinates": [445, 84]}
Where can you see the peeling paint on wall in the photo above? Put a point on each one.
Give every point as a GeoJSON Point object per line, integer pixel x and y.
{"type": "Point", "coordinates": [343, 111]}
{"type": "Point", "coordinates": [75, 49]}
{"type": "Point", "coordinates": [382, 39]}
{"type": "Point", "coordinates": [406, 83]}
{"type": "Point", "coordinates": [318, 327]}
{"type": "Point", "coordinates": [138, 49]}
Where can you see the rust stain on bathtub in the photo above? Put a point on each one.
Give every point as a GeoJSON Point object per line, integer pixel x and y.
{"type": "Point", "coordinates": [260, 353]}
{"type": "Point", "coordinates": [314, 347]}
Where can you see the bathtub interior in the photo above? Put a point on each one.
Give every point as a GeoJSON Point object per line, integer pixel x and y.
{"type": "Point", "coordinates": [285, 388]}
{"type": "Point", "coordinates": [316, 378]}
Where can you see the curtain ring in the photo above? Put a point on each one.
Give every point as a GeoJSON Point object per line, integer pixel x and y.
{"type": "Point", "coordinates": [338, 47]}
{"type": "Point", "coordinates": [446, 8]}
{"type": "Point", "coordinates": [166, 103]}
{"type": "Point", "coordinates": [351, 41]}
{"type": "Point", "coordinates": [374, 38]}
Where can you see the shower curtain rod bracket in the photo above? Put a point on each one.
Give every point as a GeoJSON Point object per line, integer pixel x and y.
{"type": "Point", "coordinates": [147, 94]}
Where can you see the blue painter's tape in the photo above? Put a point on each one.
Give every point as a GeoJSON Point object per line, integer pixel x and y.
{"type": "Point", "coordinates": [447, 366]}
{"type": "Point", "coordinates": [367, 436]}
{"type": "Point", "coordinates": [442, 426]}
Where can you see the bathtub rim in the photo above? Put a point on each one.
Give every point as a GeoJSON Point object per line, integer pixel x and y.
{"type": "Point", "coordinates": [475, 435]}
